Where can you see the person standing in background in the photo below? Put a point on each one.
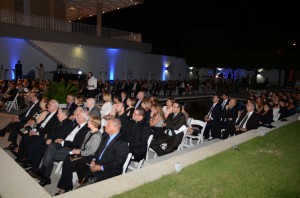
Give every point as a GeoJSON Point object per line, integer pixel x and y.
{"type": "Point", "coordinates": [2, 73]}
{"type": "Point", "coordinates": [91, 86]}
{"type": "Point", "coordinates": [41, 72]}
{"type": "Point", "coordinates": [18, 70]}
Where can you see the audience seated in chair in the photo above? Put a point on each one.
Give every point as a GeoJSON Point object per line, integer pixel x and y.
{"type": "Point", "coordinates": [174, 121]}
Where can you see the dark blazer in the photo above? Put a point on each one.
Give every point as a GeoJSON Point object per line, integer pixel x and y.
{"type": "Point", "coordinates": [36, 108]}
{"type": "Point", "coordinates": [95, 111]}
{"type": "Point", "coordinates": [62, 130]}
{"type": "Point", "coordinates": [113, 157]}
{"type": "Point", "coordinates": [216, 113]}
{"type": "Point", "coordinates": [223, 109]}
{"type": "Point", "coordinates": [72, 108]}
{"type": "Point", "coordinates": [267, 118]}
{"type": "Point", "coordinates": [51, 124]}
{"type": "Point", "coordinates": [78, 139]}
{"type": "Point", "coordinates": [253, 121]}
{"type": "Point", "coordinates": [138, 134]}
{"type": "Point", "coordinates": [231, 115]}
{"type": "Point", "coordinates": [176, 122]}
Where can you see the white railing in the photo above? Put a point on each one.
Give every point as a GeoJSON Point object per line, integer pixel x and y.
{"type": "Point", "coordinates": [63, 58]}
{"type": "Point", "coordinates": [64, 26]}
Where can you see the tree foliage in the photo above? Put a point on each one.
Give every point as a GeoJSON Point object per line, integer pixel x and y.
{"type": "Point", "coordinates": [59, 91]}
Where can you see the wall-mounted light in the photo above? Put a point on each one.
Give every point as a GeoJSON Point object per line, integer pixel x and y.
{"type": "Point", "coordinates": [79, 72]}
{"type": "Point", "coordinates": [191, 68]}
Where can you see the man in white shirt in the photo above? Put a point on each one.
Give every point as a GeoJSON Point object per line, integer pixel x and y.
{"type": "Point", "coordinates": [248, 120]}
{"type": "Point", "coordinates": [60, 149]}
{"type": "Point", "coordinates": [91, 86]}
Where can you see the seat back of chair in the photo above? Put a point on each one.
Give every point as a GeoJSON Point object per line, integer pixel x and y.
{"type": "Point", "coordinates": [183, 129]}
{"type": "Point", "coordinates": [125, 165]}
{"type": "Point", "coordinates": [12, 104]}
{"type": "Point", "coordinates": [198, 123]}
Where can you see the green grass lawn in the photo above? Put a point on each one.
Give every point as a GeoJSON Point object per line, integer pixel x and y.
{"type": "Point", "coordinates": [267, 166]}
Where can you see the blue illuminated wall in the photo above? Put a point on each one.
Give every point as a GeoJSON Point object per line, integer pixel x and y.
{"type": "Point", "coordinates": [112, 58]}
{"type": "Point", "coordinates": [13, 47]}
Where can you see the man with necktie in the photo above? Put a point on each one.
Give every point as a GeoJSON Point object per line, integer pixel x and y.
{"type": "Point", "coordinates": [248, 120]}
{"type": "Point", "coordinates": [110, 157]}
{"type": "Point", "coordinates": [213, 120]}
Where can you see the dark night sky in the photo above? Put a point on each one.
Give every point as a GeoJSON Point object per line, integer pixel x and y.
{"type": "Point", "coordinates": [162, 22]}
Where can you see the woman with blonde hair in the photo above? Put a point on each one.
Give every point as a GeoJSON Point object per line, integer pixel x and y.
{"type": "Point", "coordinates": [105, 109]}
{"type": "Point", "coordinates": [146, 104]}
{"type": "Point", "coordinates": [88, 148]}
{"type": "Point", "coordinates": [157, 120]}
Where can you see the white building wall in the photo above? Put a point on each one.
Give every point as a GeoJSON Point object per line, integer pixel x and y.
{"type": "Point", "coordinates": [111, 63]}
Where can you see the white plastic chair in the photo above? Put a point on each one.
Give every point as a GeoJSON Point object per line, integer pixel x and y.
{"type": "Point", "coordinates": [200, 135]}
{"type": "Point", "coordinates": [183, 129]}
{"type": "Point", "coordinates": [125, 165]}
{"type": "Point", "coordinates": [12, 104]}
{"type": "Point", "coordinates": [58, 169]}
{"type": "Point", "coordinates": [141, 162]}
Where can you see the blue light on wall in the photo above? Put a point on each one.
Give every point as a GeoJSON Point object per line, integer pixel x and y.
{"type": "Point", "coordinates": [112, 55]}
{"type": "Point", "coordinates": [13, 46]}
{"type": "Point", "coordinates": [164, 67]}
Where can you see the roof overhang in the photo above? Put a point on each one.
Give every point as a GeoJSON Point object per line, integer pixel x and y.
{"type": "Point", "coordinates": [85, 8]}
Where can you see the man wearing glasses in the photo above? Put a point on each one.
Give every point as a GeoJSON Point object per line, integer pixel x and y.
{"type": "Point", "coordinates": [173, 122]}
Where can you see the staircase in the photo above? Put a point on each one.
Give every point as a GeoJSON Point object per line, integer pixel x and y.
{"type": "Point", "coordinates": [59, 56]}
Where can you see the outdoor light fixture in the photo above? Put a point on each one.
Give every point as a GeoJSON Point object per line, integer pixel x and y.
{"type": "Point", "coordinates": [79, 72]}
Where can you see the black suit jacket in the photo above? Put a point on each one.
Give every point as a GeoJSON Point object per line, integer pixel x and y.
{"type": "Point", "coordinates": [253, 121]}
{"type": "Point", "coordinates": [36, 108]}
{"type": "Point", "coordinates": [78, 139]}
{"type": "Point", "coordinates": [138, 134]}
{"type": "Point", "coordinates": [114, 155]}
{"type": "Point", "coordinates": [51, 124]}
{"type": "Point", "coordinates": [216, 113]}
{"type": "Point", "coordinates": [176, 122]}
{"type": "Point", "coordinates": [72, 108]}
{"type": "Point", "coordinates": [62, 130]}
{"type": "Point", "coordinates": [231, 115]}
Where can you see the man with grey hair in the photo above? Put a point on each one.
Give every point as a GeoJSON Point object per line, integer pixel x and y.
{"type": "Point", "coordinates": [61, 148]}
{"type": "Point", "coordinates": [93, 109]}
{"type": "Point", "coordinates": [248, 120]}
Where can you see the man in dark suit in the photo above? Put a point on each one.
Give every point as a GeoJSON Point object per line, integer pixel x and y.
{"type": "Point", "coordinates": [140, 97]}
{"type": "Point", "coordinates": [136, 132]}
{"type": "Point", "coordinates": [60, 149]}
{"type": "Point", "coordinates": [111, 155]}
{"type": "Point", "coordinates": [32, 148]}
{"type": "Point", "coordinates": [213, 120]}
{"type": "Point", "coordinates": [173, 140]}
{"type": "Point", "coordinates": [31, 138]}
{"type": "Point", "coordinates": [229, 119]}
{"type": "Point", "coordinates": [225, 102]}
{"type": "Point", "coordinates": [93, 109]}
{"type": "Point", "coordinates": [248, 120]}
{"type": "Point", "coordinates": [124, 98]}
{"type": "Point", "coordinates": [71, 106]}
{"type": "Point", "coordinates": [18, 122]}
{"type": "Point", "coordinates": [18, 70]}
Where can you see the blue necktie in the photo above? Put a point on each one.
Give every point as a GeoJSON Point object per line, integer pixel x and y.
{"type": "Point", "coordinates": [108, 141]}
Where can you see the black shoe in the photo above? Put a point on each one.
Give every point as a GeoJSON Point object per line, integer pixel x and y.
{"type": "Point", "coordinates": [14, 152]}
{"type": "Point", "coordinates": [36, 174]}
{"type": "Point", "coordinates": [45, 182]}
{"type": "Point", "coordinates": [60, 191]}
{"type": "Point", "coordinates": [26, 165]}
{"type": "Point", "coordinates": [12, 146]}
